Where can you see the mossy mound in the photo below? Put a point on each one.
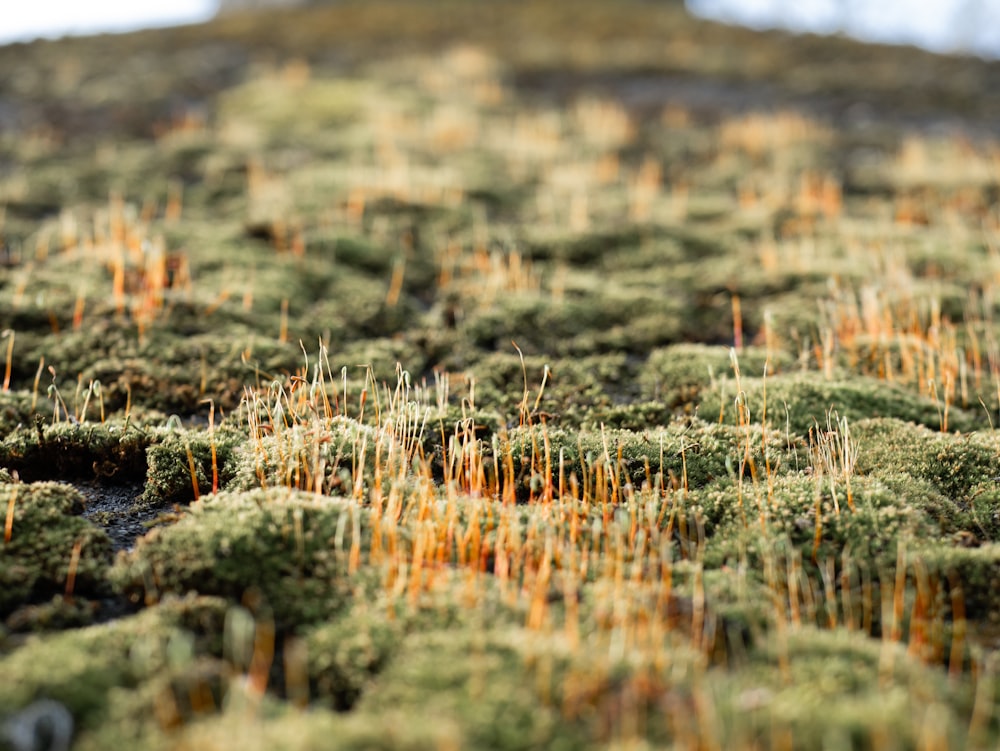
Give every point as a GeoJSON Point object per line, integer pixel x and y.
{"type": "Point", "coordinates": [76, 450]}
{"type": "Point", "coordinates": [347, 655]}
{"type": "Point", "coordinates": [18, 408]}
{"type": "Point", "coordinates": [183, 464]}
{"type": "Point", "coordinates": [960, 467]}
{"type": "Point", "coordinates": [51, 546]}
{"type": "Point", "coordinates": [308, 455]}
{"type": "Point", "coordinates": [481, 683]}
{"type": "Point", "coordinates": [127, 663]}
{"type": "Point", "coordinates": [799, 403]}
{"type": "Point", "coordinates": [837, 687]}
{"type": "Point", "coordinates": [275, 726]}
{"type": "Point", "coordinates": [290, 547]}
{"type": "Point", "coordinates": [690, 453]}
{"type": "Point", "coordinates": [678, 375]}
{"type": "Point", "coordinates": [819, 517]}
{"type": "Point", "coordinates": [970, 574]}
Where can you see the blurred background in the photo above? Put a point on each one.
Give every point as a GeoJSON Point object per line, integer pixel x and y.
{"type": "Point", "coordinates": [964, 26]}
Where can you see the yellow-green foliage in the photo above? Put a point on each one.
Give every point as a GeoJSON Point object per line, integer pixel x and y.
{"type": "Point", "coordinates": [289, 546]}
{"type": "Point", "coordinates": [45, 529]}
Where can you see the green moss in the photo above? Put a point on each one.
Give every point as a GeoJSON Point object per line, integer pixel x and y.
{"type": "Point", "coordinates": [281, 727]}
{"type": "Point", "coordinates": [303, 454]}
{"type": "Point", "coordinates": [973, 572]}
{"type": "Point", "coordinates": [960, 467]}
{"type": "Point", "coordinates": [678, 375]}
{"type": "Point", "coordinates": [834, 686]}
{"type": "Point", "coordinates": [422, 204]}
{"type": "Point", "coordinates": [173, 453]}
{"type": "Point", "coordinates": [479, 682]}
{"type": "Point", "coordinates": [283, 108]}
{"type": "Point", "coordinates": [691, 453]}
{"type": "Point", "coordinates": [46, 529]}
{"type": "Point", "coordinates": [800, 402]}
{"type": "Point", "coordinates": [289, 546]}
{"type": "Point", "coordinates": [84, 668]}
{"type": "Point", "coordinates": [786, 511]}
{"type": "Point", "coordinates": [17, 409]}
{"type": "Point", "coordinates": [69, 449]}
{"type": "Point", "coordinates": [346, 656]}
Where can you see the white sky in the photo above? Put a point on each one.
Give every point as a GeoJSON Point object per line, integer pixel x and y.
{"type": "Point", "coordinates": [23, 20]}
{"type": "Point", "coordinates": [941, 25]}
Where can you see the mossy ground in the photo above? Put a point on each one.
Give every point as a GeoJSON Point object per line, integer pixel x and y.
{"type": "Point", "coordinates": [550, 375]}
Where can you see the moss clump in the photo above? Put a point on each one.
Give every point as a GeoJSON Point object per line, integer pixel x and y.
{"type": "Point", "coordinates": [974, 572]}
{"type": "Point", "coordinates": [960, 467]}
{"type": "Point", "coordinates": [47, 528]}
{"type": "Point", "coordinates": [574, 327]}
{"type": "Point", "coordinates": [278, 726]}
{"type": "Point", "coordinates": [293, 456]}
{"type": "Point", "coordinates": [814, 516]}
{"type": "Point", "coordinates": [60, 612]}
{"type": "Point", "coordinates": [800, 402]}
{"type": "Point", "coordinates": [690, 453]}
{"type": "Point", "coordinates": [678, 375]}
{"type": "Point", "coordinates": [824, 686]}
{"type": "Point", "coordinates": [83, 669]}
{"type": "Point", "coordinates": [17, 408]}
{"type": "Point", "coordinates": [345, 656]}
{"type": "Point", "coordinates": [577, 390]}
{"type": "Point", "coordinates": [479, 682]}
{"type": "Point", "coordinates": [289, 546]}
{"type": "Point", "coordinates": [174, 453]}
{"type": "Point", "coordinates": [74, 450]}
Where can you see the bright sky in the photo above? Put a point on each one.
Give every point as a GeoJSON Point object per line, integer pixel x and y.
{"type": "Point", "coordinates": [22, 20]}
{"type": "Point", "coordinates": [940, 25]}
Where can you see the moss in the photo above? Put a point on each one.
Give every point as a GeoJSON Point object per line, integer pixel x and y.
{"type": "Point", "coordinates": [960, 467]}
{"type": "Point", "coordinates": [479, 682]}
{"type": "Point", "coordinates": [569, 391]}
{"type": "Point", "coordinates": [82, 669]}
{"type": "Point", "coordinates": [17, 409]}
{"type": "Point", "coordinates": [418, 203]}
{"type": "Point", "coordinates": [286, 545]}
{"type": "Point", "coordinates": [692, 453]}
{"type": "Point", "coordinates": [346, 656]}
{"type": "Point", "coordinates": [281, 108]}
{"type": "Point", "coordinates": [802, 402]}
{"type": "Point", "coordinates": [785, 511]}
{"type": "Point", "coordinates": [677, 375]}
{"type": "Point", "coordinates": [73, 450]}
{"type": "Point", "coordinates": [839, 685]}
{"type": "Point", "coordinates": [172, 454]}
{"type": "Point", "coordinates": [57, 614]}
{"type": "Point", "coordinates": [973, 574]}
{"type": "Point", "coordinates": [573, 327]}
{"type": "Point", "coordinates": [294, 456]}
{"type": "Point", "coordinates": [281, 727]}
{"type": "Point", "coordinates": [47, 528]}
